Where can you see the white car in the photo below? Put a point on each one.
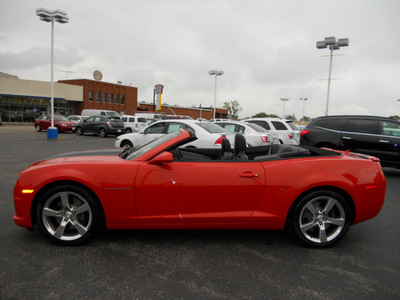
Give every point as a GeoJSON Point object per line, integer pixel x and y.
{"type": "Point", "coordinates": [208, 134]}
{"type": "Point", "coordinates": [285, 133]}
{"type": "Point", "coordinates": [255, 135]}
{"type": "Point", "coordinates": [134, 123]}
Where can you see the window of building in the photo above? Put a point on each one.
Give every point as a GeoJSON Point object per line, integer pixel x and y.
{"type": "Point", "coordinates": [104, 97]}
{"type": "Point", "coordinates": [98, 97]}
{"type": "Point", "coordinates": [116, 99]}
{"type": "Point", "coordinates": [110, 98]}
{"type": "Point", "coordinates": [122, 99]}
{"type": "Point", "coordinates": [90, 96]}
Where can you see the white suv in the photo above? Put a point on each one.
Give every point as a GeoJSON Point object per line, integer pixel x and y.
{"type": "Point", "coordinates": [134, 123]}
{"type": "Point", "coordinates": [285, 133]}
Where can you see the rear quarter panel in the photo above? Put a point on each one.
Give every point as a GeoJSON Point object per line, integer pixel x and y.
{"type": "Point", "coordinates": [287, 180]}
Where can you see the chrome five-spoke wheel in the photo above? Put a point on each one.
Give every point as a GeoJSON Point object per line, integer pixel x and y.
{"type": "Point", "coordinates": [68, 215]}
{"type": "Point", "coordinates": [321, 218]}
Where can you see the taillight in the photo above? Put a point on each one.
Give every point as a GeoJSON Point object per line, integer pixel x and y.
{"type": "Point", "coordinates": [304, 132]}
{"type": "Point", "coordinates": [264, 138]}
{"type": "Point", "coordinates": [219, 141]}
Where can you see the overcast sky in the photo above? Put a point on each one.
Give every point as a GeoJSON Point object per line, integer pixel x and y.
{"type": "Point", "coordinates": [266, 49]}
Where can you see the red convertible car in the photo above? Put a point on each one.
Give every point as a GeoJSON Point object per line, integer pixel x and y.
{"type": "Point", "coordinates": [314, 193]}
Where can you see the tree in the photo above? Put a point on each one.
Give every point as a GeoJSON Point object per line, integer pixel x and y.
{"type": "Point", "coordinates": [396, 117]}
{"type": "Point", "coordinates": [233, 108]}
{"type": "Point", "coordinates": [264, 115]}
{"type": "Point", "coordinates": [291, 117]}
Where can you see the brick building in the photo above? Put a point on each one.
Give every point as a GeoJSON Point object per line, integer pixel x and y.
{"type": "Point", "coordinates": [104, 95]}
{"type": "Point", "coordinates": [194, 112]}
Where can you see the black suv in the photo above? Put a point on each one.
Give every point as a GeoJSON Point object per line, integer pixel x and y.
{"type": "Point", "coordinates": [101, 125]}
{"type": "Point", "coordinates": [376, 136]}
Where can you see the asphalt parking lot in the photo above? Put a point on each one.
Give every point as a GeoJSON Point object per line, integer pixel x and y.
{"type": "Point", "coordinates": [187, 264]}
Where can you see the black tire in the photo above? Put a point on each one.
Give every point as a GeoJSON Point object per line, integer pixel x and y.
{"type": "Point", "coordinates": [102, 132]}
{"type": "Point", "coordinates": [37, 127]}
{"type": "Point", "coordinates": [68, 215]}
{"type": "Point", "coordinates": [126, 144]}
{"type": "Point", "coordinates": [128, 130]}
{"type": "Point", "coordinates": [58, 129]}
{"type": "Point", "coordinates": [79, 131]}
{"type": "Point", "coordinates": [320, 219]}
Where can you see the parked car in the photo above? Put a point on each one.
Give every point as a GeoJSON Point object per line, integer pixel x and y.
{"type": "Point", "coordinates": [209, 135]}
{"type": "Point", "coordinates": [101, 125]}
{"type": "Point", "coordinates": [377, 136]}
{"type": "Point", "coordinates": [60, 122]}
{"type": "Point", "coordinates": [162, 185]}
{"type": "Point", "coordinates": [255, 135]}
{"type": "Point", "coordinates": [134, 123]}
{"type": "Point", "coordinates": [285, 133]}
{"type": "Point", "coordinates": [77, 118]}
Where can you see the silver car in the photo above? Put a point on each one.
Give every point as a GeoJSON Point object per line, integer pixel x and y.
{"type": "Point", "coordinates": [255, 135]}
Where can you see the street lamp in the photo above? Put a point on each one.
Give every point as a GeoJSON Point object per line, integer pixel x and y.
{"type": "Point", "coordinates": [304, 101]}
{"type": "Point", "coordinates": [216, 73]}
{"type": "Point", "coordinates": [333, 45]}
{"type": "Point", "coordinates": [284, 100]}
{"type": "Point", "coordinates": [60, 17]}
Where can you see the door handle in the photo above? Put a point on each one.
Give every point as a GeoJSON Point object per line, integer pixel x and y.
{"type": "Point", "coordinates": [383, 141]}
{"type": "Point", "coordinates": [248, 174]}
{"type": "Point", "coordinates": [346, 138]}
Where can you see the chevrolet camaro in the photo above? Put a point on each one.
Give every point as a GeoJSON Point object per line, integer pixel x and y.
{"type": "Point", "coordinates": [316, 194]}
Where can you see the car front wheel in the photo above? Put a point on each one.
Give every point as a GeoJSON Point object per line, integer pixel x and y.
{"type": "Point", "coordinates": [320, 219]}
{"type": "Point", "coordinates": [126, 144]}
{"type": "Point", "coordinates": [68, 215]}
{"type": "Point", "coordinates": [79, 131]}
{"type": "Point", "coordinates": [102, 132]}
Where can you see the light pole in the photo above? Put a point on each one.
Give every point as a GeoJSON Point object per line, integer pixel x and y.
{"type": "Point", "coordinates": [284, 100]}
{"type": "Point", "coordinates": [60, 17]}
{"type": "Point", "coordinates": [216, 73]}
{"type": "Point", "coordinates": [304, 101]}
{"type": "Point", "coordinates": [333, 45]}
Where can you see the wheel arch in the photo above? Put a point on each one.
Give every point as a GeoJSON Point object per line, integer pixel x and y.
{"type": "Point", "coordinates": [54, 184]}
{"type": "Point", "coordinates": [338, 190]}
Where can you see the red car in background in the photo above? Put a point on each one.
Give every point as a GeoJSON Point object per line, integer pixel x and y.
{"type": "Point", "coordinates": [60, 122]}
{"type": "Point", "coordinates": [314, 193]}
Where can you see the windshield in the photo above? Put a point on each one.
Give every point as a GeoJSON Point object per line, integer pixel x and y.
{"type": "Point", "coordinates": [61, 118]}
{"type": "Point", "coordinates": [212, 128]}
{"type": "Point", "coordinates": [292, 125]}
{"type": "Point", "coordinates": [256, 127]}
{"type": "Point", "coordinates": [113, 114]}
{"type": "Point", "coordinates": [133, 153]}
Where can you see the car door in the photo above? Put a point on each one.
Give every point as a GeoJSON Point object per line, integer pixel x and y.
{"type": "Point", "coordinates": [88, 125]}
{"type": "Point", "coordinates": [45, 123]}
{"type": "Point", "coordinates": [389, 140]}
{"type": "Point", "coordinates": [151, 133]}
{"type": "Point", "coordinates": [361, 135]}
{"type": "Point", "coordinates": [198, 192]}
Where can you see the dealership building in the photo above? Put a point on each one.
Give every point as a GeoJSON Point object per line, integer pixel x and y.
{"type": "Point", "coordinates": [24, 100]}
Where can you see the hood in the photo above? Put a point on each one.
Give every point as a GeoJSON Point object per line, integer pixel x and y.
{"type": "Point", "coordinates": [97, 152]}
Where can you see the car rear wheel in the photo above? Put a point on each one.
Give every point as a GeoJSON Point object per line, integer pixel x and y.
{"type": "Point", "coordinates": [320, 219]}
{"type": "Point", "coordinates": [68, 215]}
{"type": "Point", "coordinates": [128, 130]}
{"type": "Point", "coordinates": [79, 131]}
{"type": "Point", "coordinates": [37, 127]}
{"type": "Point", "coordinates": [102, 132]}
{"type": "Point", "coordinates": [126, 144]}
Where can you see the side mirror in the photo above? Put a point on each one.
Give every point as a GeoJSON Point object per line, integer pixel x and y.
{"type": "Point", "coordinates": [163, 158]}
